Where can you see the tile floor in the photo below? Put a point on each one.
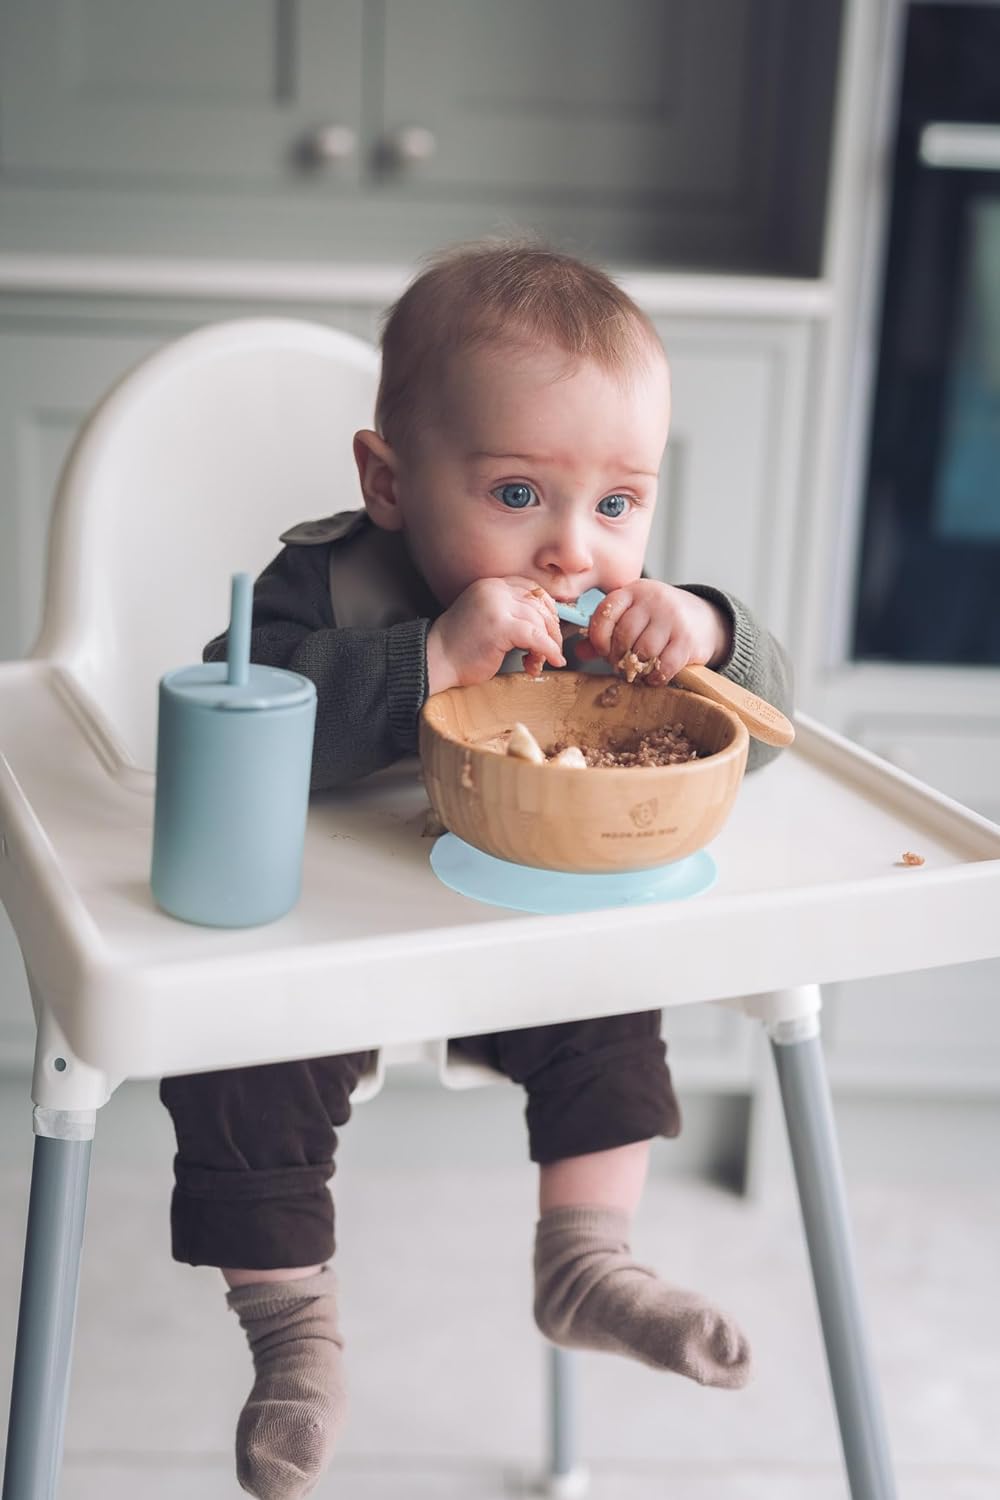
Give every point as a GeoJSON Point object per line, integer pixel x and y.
{"type": "Point", "coordinates": [436, 1216]}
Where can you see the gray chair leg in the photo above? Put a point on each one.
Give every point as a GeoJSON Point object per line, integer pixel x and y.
{"type": "Point", "coordinates": [56, 1211]}
{"type": "Point", "coordinates": [565, 1478]}
{"type": "Point", "coordinates": [805, 1094]}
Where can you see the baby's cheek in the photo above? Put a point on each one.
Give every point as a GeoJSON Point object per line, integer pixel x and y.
{"type": "Point", "coordinates": [471, 560]}
{"type": "Point", "coordinates": [620, 573]}
{"type": "Point", "coordinates": [453, 575]}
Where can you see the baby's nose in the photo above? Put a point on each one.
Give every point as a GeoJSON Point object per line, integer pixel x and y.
{"type": "Point", "coordinates": [566, 552]}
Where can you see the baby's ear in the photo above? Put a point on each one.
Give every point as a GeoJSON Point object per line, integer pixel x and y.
{"type": "Point", "coordinates": [376, 463]}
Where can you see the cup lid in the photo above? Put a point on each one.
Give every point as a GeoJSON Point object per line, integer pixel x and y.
{"type": "Point", "coordinates": [206, 686]}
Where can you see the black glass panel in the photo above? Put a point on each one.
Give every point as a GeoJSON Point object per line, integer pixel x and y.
{"type": "Point", "coordinates": [929, 576]}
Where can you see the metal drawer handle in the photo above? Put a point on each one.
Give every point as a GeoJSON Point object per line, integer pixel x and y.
{"type": "Point", "coordinates": [331, 144]}
{"type": "Point", "coordinates": [960, 148]}
{"type": "Point", "coordinates": [410, 144]}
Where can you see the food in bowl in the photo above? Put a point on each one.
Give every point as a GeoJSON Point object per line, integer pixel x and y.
{"type": "Point", "coordinates": [667, 746]}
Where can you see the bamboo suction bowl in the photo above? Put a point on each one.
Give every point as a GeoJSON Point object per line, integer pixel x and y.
{"type": "Point", "coordinates": [587, 821]}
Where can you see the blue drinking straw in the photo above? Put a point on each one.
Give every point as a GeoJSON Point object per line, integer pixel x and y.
{"type": "Point", "coordinates": [238, 649]}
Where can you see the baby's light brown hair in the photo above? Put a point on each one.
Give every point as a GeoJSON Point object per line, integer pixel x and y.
{"type": "Point", "coordinates": [503, 292]}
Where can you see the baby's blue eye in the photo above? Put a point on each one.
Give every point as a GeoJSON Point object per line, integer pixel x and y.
{"type": "Point", "coordinates": [516, 496]}
{"type": "Point", "coordinates": [613, 505]}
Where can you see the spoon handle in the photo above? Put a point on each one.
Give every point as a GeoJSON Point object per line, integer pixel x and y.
{"type": "Point", "coordinates": [763, 720]}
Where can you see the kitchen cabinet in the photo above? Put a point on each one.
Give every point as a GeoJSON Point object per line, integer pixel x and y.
{"type": "Point", "coordinates": [731, 479]}
{"type": "Point", "coordinates": [959, 757]}
{"type": "Point", "coordinates": [672, 131]}
{"type": "Point", "coordinates": [204, 92]}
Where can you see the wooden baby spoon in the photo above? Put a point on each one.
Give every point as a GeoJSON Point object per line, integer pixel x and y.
{"type": "Point", "coordinates": [762, 719]}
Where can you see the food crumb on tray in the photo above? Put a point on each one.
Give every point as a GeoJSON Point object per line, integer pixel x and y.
{"type": "Point", "coordinates": [911, 859]}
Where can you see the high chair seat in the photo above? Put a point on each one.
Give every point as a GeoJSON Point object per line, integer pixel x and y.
{"type": "Point", "coordinates": [187, 472]}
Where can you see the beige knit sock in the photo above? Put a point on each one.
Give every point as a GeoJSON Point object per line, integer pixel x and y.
{"type": "Point", "coordinates": [590, 1294]}
{"type": "Point", "coordinates": [286, 1430]}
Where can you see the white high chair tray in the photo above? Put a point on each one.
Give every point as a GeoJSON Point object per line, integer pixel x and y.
{"type": "Point", "coordinates": [377, 951]}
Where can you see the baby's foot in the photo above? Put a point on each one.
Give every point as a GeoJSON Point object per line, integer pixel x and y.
{"type": "Point", "coordinates": [590, 1294]}
{"type": "Point", "coordinates": [286, 1431]}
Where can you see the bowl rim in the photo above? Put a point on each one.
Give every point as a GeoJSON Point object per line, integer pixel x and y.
{"type": "Point", "coordinates": [741, 736]}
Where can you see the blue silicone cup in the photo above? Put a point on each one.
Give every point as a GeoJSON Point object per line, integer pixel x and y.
{"type": "Point", "coordinates": [233, 766]}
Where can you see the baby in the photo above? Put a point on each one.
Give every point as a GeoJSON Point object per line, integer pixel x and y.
{"type": "Point", "coordinates": [520, 425]}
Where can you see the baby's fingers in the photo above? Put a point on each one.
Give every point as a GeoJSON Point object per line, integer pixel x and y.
{"type": "Point", "coordinates": [672, 649]}
{"type": "Point", "coordinates": [630, 627]}
{"type": "Point", "coordinates": [545, 605]}
{"type": "Point", "coordinates": [546, 602]}
{"type": "Point", "coordinates": [529, 632]}
{"type": "Point", "coordinates": [604, 620]}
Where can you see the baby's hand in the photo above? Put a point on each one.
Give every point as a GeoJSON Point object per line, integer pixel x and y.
{"type": "Point", "coordinates": [654, 619]}
{"type": "Point", "coordinates": [468, 643]}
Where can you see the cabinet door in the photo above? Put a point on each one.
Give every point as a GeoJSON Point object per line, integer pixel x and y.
{"type": "Point", "coordinates": [695, 131]}
{"type": "Point", "coordinates": [175, 95]}
{"type": "Point", "coordinates": [576, 95]}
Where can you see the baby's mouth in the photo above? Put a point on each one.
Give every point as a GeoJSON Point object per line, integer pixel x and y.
{"type": "Point", "coordinates": [564, 592]}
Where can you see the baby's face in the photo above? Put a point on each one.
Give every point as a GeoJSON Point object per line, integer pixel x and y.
{"type": "Point", "coordinates": [534, 467]}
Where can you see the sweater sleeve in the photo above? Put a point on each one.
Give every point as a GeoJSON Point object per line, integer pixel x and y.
{"type": "Point", "coordinates": [370, 684]}
{"type": "Point", "coordinates": [756, 661]}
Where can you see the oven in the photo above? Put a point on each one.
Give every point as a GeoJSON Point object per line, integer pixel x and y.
{"type": "Point", "coordinates": [928, 574]}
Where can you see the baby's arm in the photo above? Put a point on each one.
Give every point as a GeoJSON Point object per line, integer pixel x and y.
{"type": "Point", "coordinates": [756, 660]}
{"type": "Point", "coordinates": [370, 684]}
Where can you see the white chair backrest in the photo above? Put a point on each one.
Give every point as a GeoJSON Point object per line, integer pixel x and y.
{"type": "Point", "coordinates": [187, 472]}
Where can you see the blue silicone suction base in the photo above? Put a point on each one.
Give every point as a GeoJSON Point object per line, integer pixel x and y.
{"type": "Point", "coordinates": [498, 882]}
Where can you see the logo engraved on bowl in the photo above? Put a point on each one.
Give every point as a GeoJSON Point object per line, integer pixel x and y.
{"type": "Point", "coordinates": [643, 833]}
{"type": "Point", "coordinates": [643, 813]}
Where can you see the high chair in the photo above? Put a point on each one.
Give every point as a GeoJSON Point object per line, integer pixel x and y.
{"type": "Point", "coordinates": [188, 471]}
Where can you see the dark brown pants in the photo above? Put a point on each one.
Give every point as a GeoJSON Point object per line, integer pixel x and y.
{"type": "Point", "coordinates": [255, 1146]}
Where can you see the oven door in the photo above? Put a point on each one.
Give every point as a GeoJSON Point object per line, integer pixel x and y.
{"type": "Point", "coordinates": [929, 575]}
